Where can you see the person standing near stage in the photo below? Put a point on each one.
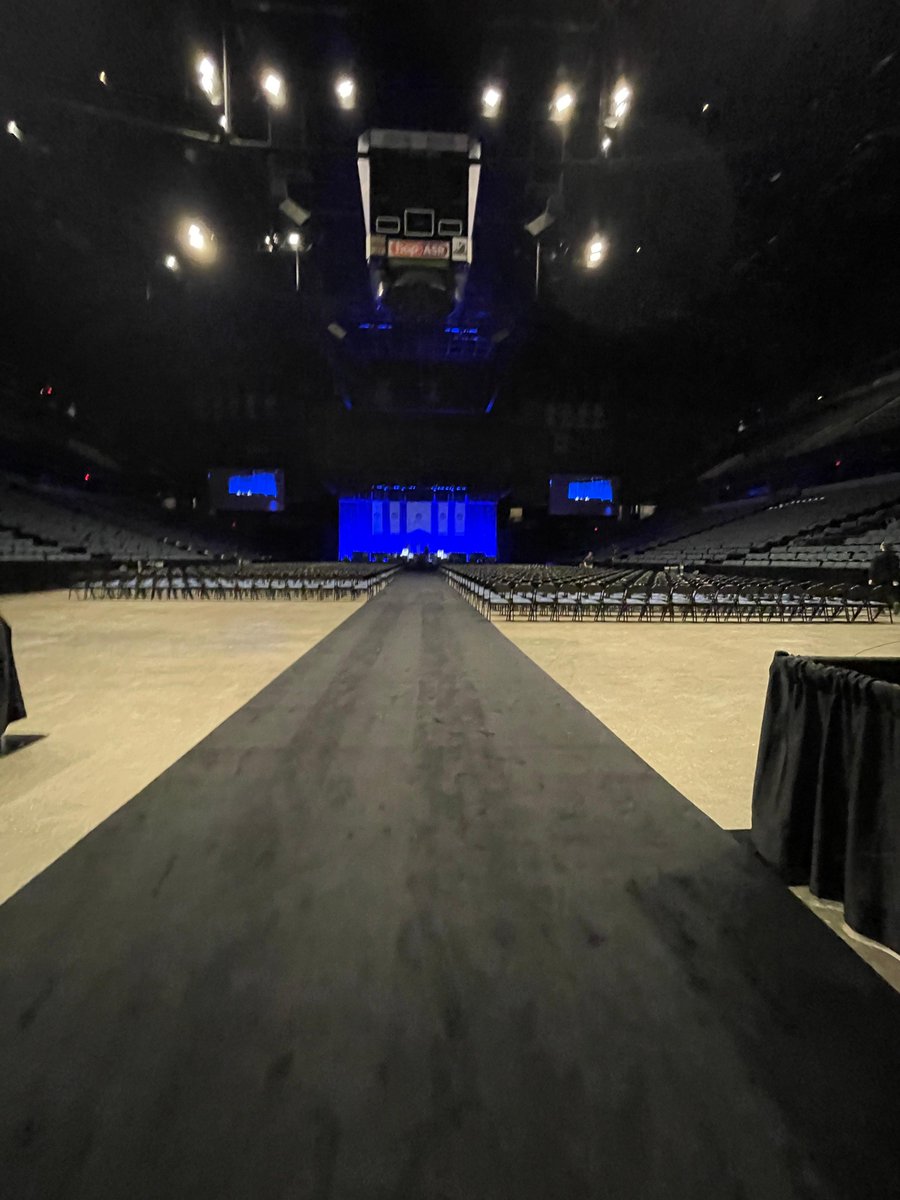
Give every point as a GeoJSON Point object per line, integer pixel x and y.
{"type": "Point", "coordinates": [884, 574]}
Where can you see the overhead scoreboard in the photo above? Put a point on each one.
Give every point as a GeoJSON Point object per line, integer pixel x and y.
{"type": "Point", "coordinates": [246, 489]}
{"type": "Point", "coordinates": [582, 495]}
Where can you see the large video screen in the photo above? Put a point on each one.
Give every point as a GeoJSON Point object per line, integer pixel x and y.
{"type": "Point", "coordinates": [397, 527]}
{"type": "Point", "coordinates": [246, 489]}
{"type": "Point", "coordinates": [582, 496]}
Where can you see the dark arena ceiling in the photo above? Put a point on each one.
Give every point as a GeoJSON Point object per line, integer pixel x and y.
{"type": "Point", "coordinates": [747, 202]}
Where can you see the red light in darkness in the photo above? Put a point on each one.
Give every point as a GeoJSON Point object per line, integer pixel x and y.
{"type": "Point", "coordinates": [87, 478]}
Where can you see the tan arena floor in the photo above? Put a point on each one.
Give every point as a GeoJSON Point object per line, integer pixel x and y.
{"type": "Point", "coordinates": [689, 700]}
{"type": "Point", "coordinates": [122, 689]}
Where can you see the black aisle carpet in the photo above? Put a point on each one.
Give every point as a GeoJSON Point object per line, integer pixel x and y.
{"type": "Point", "coordinates": [413, 924]}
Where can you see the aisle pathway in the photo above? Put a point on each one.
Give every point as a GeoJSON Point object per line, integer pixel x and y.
{"type": "Point", "coordinates": [413, 924]}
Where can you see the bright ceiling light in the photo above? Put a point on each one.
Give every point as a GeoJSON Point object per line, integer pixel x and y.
{"type": "Point", "coordinates": [606, 144]}
{"type": "Point", "coordinates": [13, 129]}
{"type": "Point", "coordinates": [595, 251]}
{"type": "Point", "coordinates": [170, 262]}
{"type": "Point", "coordinates": [209, 79]}
{"type": "Point", "coordinates": [198, 240]}
{"type": "Point", "coordinates": [273, 88]}
{"type": "Point", "coordinates": [563, 104]}
{"type": "Point", "coordinates": [345, 90]}
{"type": "Point", "coordinates": [293, 240]}
{"type": "Point", "coordinates": [619, 103]}
{"type": "Point", "coordinates": [103, 79]}
{"type": "Point", "coordinates": [491, 99]}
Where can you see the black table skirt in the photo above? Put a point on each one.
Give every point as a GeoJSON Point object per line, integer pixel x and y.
{"type": "Point", "coordinates": [826, 799]}
{"type": "Point", "coordinates": [12, 707]}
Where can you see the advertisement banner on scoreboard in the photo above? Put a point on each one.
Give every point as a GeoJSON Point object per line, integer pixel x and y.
{"type": "Point", "coordinates": [417, 248]}
{"type": "Point", "coordinates": [395, 516]}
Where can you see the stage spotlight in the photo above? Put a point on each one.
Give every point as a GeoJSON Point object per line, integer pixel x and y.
{"type": "Point", "coordinates": [293, 240]}
{"type": "Point", "coordinates": [563, 106]}
{"type": "Point", "coordinates": [171, 263]}
{"type": "Point", "coordinates": [596, 251]}
{"type": "Point", "coordinates": [198, 240]}
{"type": "Point", "coordinates": [491, 100]}
{"type": "Point", "coordinates": [345, 90]}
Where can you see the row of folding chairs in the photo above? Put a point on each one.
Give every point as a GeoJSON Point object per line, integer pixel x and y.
{"type": "Point", "coordinates": [710, 600]}
{"type": "Point", "coordinates": [199, 585]}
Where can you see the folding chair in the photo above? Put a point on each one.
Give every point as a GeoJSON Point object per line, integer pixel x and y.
{"type": "Point", "coordinates": [521, 604]}
{"type": "Point", "coordinates": [570, 605]}
{"type": "Point", "coordinates": [634, 603]}
{"type": "Point", "coordinates": [498, 604]}
{"type": "Point", "coordinates": [545, 605]}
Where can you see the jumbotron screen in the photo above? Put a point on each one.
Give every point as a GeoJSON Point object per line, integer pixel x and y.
{"type": "Point", "coordinates": [582, 496]}
{"type": "Point", "coordinates": [246, 489]}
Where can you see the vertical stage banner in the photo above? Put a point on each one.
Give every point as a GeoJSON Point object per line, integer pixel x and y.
{"type": "Point", "coordinates": [418, 516]}
{"type": "Point", "coordinates": [443, 516]}
{"type": "Point", "coordinates": [459, 518]}
{"type": "Point", "coordinates": [395, 516]}
{"type": "Point", "coordinates": [377, 517]}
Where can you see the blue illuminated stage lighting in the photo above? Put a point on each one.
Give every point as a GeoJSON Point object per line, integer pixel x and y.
{"type": "Point", "coordinates": [393, 519]}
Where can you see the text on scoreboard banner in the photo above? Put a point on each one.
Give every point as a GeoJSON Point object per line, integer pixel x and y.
{"type": "Point", "coordinates": [417, 248]}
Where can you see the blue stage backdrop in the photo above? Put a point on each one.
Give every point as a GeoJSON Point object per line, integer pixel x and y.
{"type": "Point", "coordinates": [453, 526]}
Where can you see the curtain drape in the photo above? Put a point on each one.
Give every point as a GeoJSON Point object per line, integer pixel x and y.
{"type": "Point", "coordinates": [11, 706]}
{"type": "Point", "coordinates": [826, 798]}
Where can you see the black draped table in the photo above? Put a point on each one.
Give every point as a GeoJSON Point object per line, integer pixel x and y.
{"type": "Point", "coordinates": [11, 706]}
{"type": "Point", "coordinates": [826, 799]}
